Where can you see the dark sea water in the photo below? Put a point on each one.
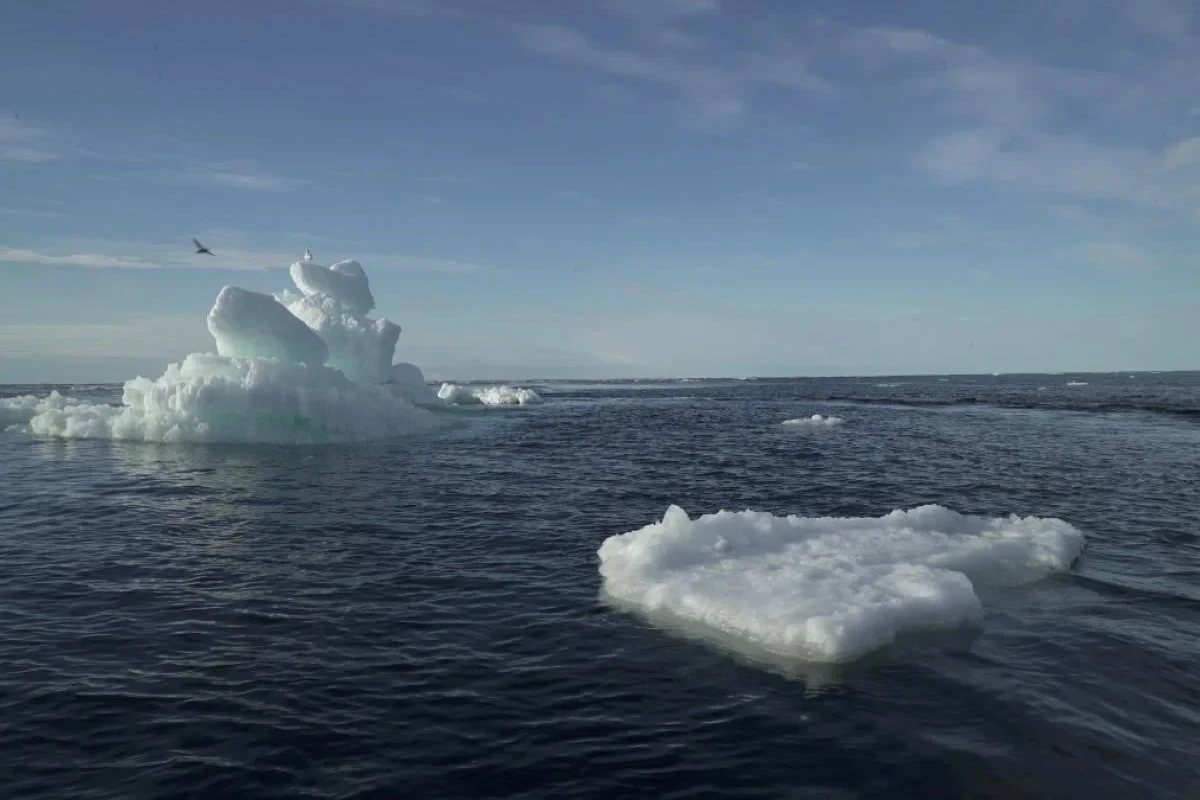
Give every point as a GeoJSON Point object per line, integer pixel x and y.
{"type": "Point", "coordinates": [423, 619]}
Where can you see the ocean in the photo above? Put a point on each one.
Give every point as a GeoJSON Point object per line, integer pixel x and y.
{"type": "Point", "coordinates": [425, 617]}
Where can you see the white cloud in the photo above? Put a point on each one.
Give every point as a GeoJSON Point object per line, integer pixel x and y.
{"type": "Point", "coordinates": [31, 144]}
{"type": "Point", "coordinates": [419, 264]}
{"type": "Point", "coordinates": [710, 90]}
{"type": "Point", "coordinates": [1064, 164]}
{"type": "Point", "coordinates": [27, 212]}
{"type": "Point", "coordinates": [455, 179]}
{"type": "Point", "coordinates": [659, 9]}
{"type": "Point", "coordinates": [970, 82]}
{"type": "Point", "coordinates": [964, 155]}
{"type": "Point", "coordinates": [402, 8]}
{"type": "Point", "coordinates": [24, 143]}
{"type": "Point", "coordinates": [1117, 257]}
{"type": "Point", "coordinates": [230, 252]}
{"type": "Point", "coordinates": [1183, 154]}
{"type": "Point", "coordinates": [27, 155]}
{"type": "Point", "coordinates": [678, 40]}
{"type": "Point", "coordinates": [152, 255]}
{"type": "Point", "coordinates": [141, 336]}
{"type": "Point", "coordinates": [255, 181]}
{"type": "Point", "coordinates": [918, 240]}
{"type": "Point", "coordinates": [13, 255]}
{"type": "Point", "coordinates": [1039, 127]}
{"type": "Point", "coordinates": [1168, 20]}
{"type": "Point", "coordinates": [1072, 213]}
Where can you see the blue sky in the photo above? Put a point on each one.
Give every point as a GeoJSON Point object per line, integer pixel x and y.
{"type": "Point", "coordinates": [612, 187]}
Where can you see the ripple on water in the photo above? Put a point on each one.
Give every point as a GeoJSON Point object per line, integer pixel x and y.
{"type": "Point", "coordinates": [424, 619]}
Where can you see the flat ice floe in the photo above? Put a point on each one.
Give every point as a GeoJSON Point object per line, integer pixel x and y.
{"type": "Point", "coordinates": [815, 421]}
{"type": "Point", "coordinates": [828, 589]}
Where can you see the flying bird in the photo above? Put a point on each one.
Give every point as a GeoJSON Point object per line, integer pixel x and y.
{"type": "Point", "coordinates": [201, 248]}
{"type": "Point", "coordinates": [307, 255]}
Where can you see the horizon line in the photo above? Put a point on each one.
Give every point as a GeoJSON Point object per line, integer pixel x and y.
{"type": "Point", "coordinates": [646, 378]}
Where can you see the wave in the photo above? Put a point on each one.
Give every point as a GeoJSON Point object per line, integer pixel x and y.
{"type": "Point", "coordinates": [1097, 407]}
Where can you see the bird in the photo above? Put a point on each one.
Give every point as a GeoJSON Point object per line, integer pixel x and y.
{"type": "Point", "coordinates": [307, 254]}
{"type": "Point", "coordinates": [201, 248]}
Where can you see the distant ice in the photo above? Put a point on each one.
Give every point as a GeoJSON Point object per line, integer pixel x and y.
{"type": "Point", "coordinates": [815, 421]}
{"type": "Point", "coordinates": [504, 395]}
{"type": "Point", "coordinates": [827, 589]}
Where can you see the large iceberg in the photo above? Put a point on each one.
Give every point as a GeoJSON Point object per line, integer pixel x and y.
{"type": "Point", "coordinates": [301, 367]}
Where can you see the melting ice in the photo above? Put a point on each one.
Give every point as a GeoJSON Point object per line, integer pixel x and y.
{"type": "Point", "coordinates": [827, 589]}
{"type": "Point", "coordinates": [296, 367]}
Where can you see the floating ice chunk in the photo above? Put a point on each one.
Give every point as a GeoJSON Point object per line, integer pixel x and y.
{"type": "Point", "coordinates": [249, 324]}
{"type": "Point", "coordinates": [270, 382]}
{"type": "Point", "coordinates": [345, 281]}
{"type": "Point", "coordinates": [360, 347]}
{"type": "Point", "coordinates": [827, 589]}
{"type": "Point", "coordinates": [15, 412]}
{"type": "Point", "coordinates": [507, 396]}
{"type": "Point", "coordinates": [459, 395]}
{"type": "Point", "coordinates": [815, 421]}
{"type": "Point", "coordinates": [210, 398]}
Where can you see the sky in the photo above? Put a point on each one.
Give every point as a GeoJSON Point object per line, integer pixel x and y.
{"type": "Point", "coordinates": [613, 187]}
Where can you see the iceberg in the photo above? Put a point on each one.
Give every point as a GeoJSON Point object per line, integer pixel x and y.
{"type": "Point", "coordinates": [297, 368]}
